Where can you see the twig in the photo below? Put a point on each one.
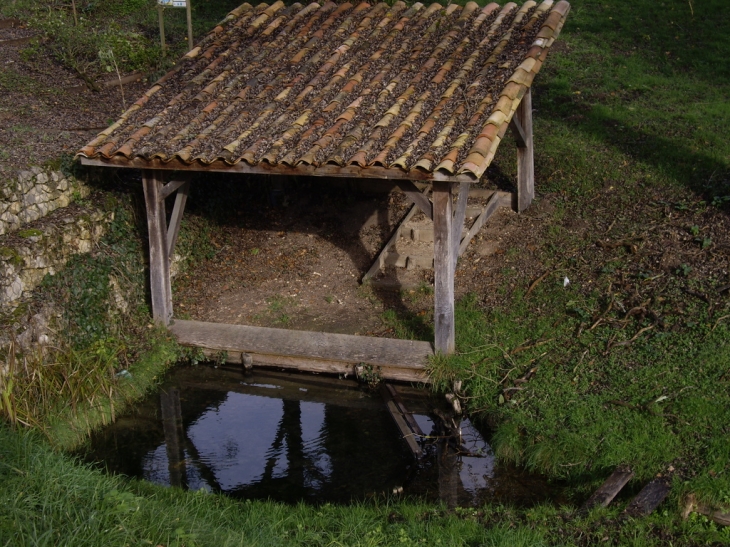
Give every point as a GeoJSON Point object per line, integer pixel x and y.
{"type": "Point", "coordinates": [530, 346]}
{"type": "Point", "coordinates": [535, 283]}
{"type": "Point", "coordinates": [718, 321]}
{"type": "Point", "coordinates": [632, 340]}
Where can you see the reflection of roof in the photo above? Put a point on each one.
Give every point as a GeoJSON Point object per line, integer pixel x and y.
{"type": "Point", "coordinates": [427, 88]}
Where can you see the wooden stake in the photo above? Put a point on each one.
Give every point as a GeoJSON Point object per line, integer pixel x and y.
{"type": "Point", "coordinates": [525, 155]}
{"type": "Point", "coordinates": [443, 260]}
{"type": "Point", "coordinates": [161, 18]}
{"type": "Point", "coordinates": [188, 9]}
{"type": "Point", "coordinates": [159, 260]}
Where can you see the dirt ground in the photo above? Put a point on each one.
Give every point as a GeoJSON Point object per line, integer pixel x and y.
{"type": "Point", "coordinates": [300, 265]}
{"type": "Point", "coordinates": [45, 109]}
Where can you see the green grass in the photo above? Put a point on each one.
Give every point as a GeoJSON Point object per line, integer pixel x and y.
{"type": "Point", "coordinates": [47, 498]}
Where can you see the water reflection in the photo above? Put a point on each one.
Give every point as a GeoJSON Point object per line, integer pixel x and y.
{"type": "Point", "coordinates": [295, 437]}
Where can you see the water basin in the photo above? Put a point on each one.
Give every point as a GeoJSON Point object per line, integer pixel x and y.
{"type": "Point", "coordinates": [297, 437]}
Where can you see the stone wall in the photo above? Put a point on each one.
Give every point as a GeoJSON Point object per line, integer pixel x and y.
{"type": "Point", "coordinates": [33, 195]}
{"type": "Point", "coordinates": [28, 255]}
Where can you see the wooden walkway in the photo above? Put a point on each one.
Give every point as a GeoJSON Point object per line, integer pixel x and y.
{"type": "Point", "coordinates": [389, 359]}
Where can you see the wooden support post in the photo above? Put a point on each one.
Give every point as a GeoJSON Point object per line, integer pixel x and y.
{"type": "Point", "coordinates": [177, 213]}
{"type": "Point", "coordinates": [443, 261]}
{"type": "Point", "coordinates": [159, 260]}
{"type": "Point", "coordinates": [525, 156]}
{"type": "Point", "coordinates": [459, 216]}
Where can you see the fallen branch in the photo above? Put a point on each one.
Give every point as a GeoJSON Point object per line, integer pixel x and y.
{"type": "Point", "coordinates": [692, 506]}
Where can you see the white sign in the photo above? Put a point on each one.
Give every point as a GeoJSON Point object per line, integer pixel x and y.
{"type": "Point", "coordinates": [173, 3]}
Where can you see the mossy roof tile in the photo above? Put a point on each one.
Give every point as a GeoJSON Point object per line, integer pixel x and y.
{"type": "Point", "coordinates": [395, 87]}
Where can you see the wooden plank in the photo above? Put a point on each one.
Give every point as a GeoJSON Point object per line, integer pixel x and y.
{"type": "Point", "coordinates": [177, 212]}
{"type": "Point", "coordinates": [490, 208]}
{"type": "Point", "coordinates": [525, 155]}
{"type": "Point", "coordinates": [400, 421]}
{"type": "Point", "coordinates": [263, 168]}
{"type": "Point", "coordinates": [459, 217]}
{"type": "Point", "coordinates": [403, 360]}
{"type": "Point", "coordinates": [417, 197]}
{"type": "Point", "coordinates": [443, 261]}
{"type": "Point", "coordinates": [159, 261]}
{"type": "Point", "coordinates": [380, 259]}
{"type": "Point", "coordinates": [171, 186]}
{"type": "Point", "coordinates": [649, 498]}
{"type": "Point", "coordinates": [608, 490]}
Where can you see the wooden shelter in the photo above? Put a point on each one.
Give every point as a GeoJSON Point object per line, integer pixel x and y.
{"type": "Point", "coordinates": [419, 93]}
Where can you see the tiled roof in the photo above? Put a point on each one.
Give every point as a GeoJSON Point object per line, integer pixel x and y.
{"type": "Point", "coordinates": [427, 88]}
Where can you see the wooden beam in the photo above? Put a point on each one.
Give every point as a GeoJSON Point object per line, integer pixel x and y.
{"type": "Point", "coordinates": [459, 216]}
{"type": "Point", "coordinates": [417, 197]}
{"type": "Point", "coordinates": [525, 155]}
{"type": "Point", "coordinates": [159, 261]}
{"type": "Point", "coordinates": [171, 186]}
{"type": "Point", "coordinates": [176, 217]}
{"type": "Point", "coordinates": [263, 168]}
{"type": "Point", "coordinates": [495, 202]}
{"type": "Point", "coordinates": [403, 360]}
{"type": "Point", "coordinates": [608, 490]}
{"type": "Point", "coordinates": [443, 261]}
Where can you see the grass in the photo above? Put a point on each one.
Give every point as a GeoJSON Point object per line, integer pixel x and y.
{"type": "Point", "coordinates": [47, 498]}
{"type": "Point", "coordinates": [620, 148]}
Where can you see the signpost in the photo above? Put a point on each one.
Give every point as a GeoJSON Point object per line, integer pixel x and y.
{"type": "Point", "coordinates": [161, 5]}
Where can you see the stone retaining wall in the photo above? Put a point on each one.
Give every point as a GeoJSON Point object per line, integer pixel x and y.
{"type": "Point", "coordinates": [34, 194]}
{"type": "Point", "coordinates": [27, 256]}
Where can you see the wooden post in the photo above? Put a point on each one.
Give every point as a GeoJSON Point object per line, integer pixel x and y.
{"type": "Point", "coordinates": [159, 260]}
{"type": "Point", "coordinates": [525, 156]}
{"type": "Point", "coordinates": [443, 261]}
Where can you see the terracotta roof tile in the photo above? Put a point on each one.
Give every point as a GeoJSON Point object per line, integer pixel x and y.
{"type": "Point", "coordinates": [421, 88]}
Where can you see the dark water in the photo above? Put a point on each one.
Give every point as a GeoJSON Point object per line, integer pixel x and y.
{"type": "Point", "coordinates": [298, 437]}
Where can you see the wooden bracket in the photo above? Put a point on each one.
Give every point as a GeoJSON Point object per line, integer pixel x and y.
{"type": "Point", "coordinates": [417, 197]}
{"type": "Point", "coordinates": [525, 154]}
{"type": "Point", "coordinates": [171, 186]}
{"type": "Point", "coordinates": [177, 213]}
{"type": "Point", "coordinates": [459, 217]}
{"type": "Point", "coordinates": [518, 133]}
